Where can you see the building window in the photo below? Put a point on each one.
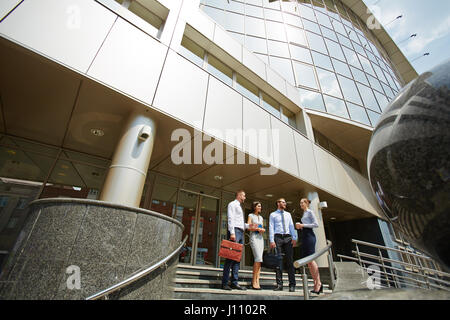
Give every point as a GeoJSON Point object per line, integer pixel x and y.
{"type": "Point", "coordinates": [247, 89]}
{"type": "Point", "coordinates": [270, 105]}
{"type": "Point", "coordinates": [305, 75]}
{"type": "Point", "coordinates": [193, 52]}
{"type": "Point", "coordinates": [311, 100]}
{"type": "Point", "coordinates": [220, 70]}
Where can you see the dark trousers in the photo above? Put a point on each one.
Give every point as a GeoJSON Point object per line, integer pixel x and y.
{"type": "Point", "coordinates": [284, 246]}
{"type": "Point", "coordinates": [231, 264]}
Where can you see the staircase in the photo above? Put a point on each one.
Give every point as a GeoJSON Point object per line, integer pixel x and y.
{"type": "Point", "coordinates": [204, 283]}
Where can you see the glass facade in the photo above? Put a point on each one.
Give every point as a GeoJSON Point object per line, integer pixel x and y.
{"type": "Point", "coordinates": [319, 46]}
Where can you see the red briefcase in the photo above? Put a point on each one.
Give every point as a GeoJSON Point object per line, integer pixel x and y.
{"type": "Point", "coordinates": [231, 250]}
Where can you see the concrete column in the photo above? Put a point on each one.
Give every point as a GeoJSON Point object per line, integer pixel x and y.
{"type": "Point", "coordinates": [126, 176]}
{"type": "Point", "coordinates": [321, 240]}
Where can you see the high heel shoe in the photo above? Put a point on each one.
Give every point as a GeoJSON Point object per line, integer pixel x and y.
{"type": "Point", "coordinates": [320, 290]}
{"type": "Point", "coordinates": [256, 288]}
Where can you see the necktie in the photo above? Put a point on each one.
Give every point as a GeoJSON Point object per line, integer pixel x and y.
{"type": "Point", "coordinates": [282, 221]}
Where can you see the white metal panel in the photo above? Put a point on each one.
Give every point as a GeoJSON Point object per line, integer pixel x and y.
{"type": "Point", "coordinates": [130, 61]}
{"type": "Point", "coordinates": [306, 159]}
{"type": "Point", "coordinates": [6, 6]}
{"type": "Point", "coordinates": [340, 179]}
{"type": "Point", "coordinates": [223, 115]}
{"type": "Point", "coordinates": [65, 30]}
{"type": "Point", "coordinates": [182, 90]}
{"type": "Point", "coordinates": [324, 169]}
{"type": "Point", "coordinates": [276, 80]}
{"type": "Point", "coordinates": [257, 123]}
{"type": "Point", "coordinates": [284, 146]}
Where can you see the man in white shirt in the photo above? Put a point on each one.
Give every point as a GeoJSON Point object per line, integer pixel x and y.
{"type": "Point", "coordinates": [236, 227]}
{"type": "Point", "coordinates": [283, 236]}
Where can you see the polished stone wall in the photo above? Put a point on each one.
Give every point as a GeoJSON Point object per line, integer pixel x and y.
{"type": "Point", "coordinates": [107, 242]}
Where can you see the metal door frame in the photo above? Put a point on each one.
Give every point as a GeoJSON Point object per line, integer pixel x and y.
{"type": "Point", "coordinates": [198, 208]}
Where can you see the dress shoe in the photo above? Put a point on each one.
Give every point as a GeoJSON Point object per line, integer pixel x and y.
{"type": "Point", "coordinates": [238, 287]}
{"type": "Point", "coordinates": [226, 287]}
{"type": "Point", "coordinates": [320, 290]}
{"type": "Point", "coordinates": [291, 289]}
{"type": "Point", "coordinates": [278, 288]}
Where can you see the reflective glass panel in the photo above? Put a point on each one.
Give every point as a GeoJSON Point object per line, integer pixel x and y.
{"type": "Point", "coordinates": [341, 68]}
{"type": "Point", "coordinates": [254, 11]}
{"type": "Point", "coordinates": [336, 106]}
{"type": "Point", "coordinates": [296, 36]}
{"type": "Point", "coordinates": [323, 19]}
{"type": "Point", "coordinates": [311, 26]}
{"type": "Point", "coordinates": [306, 12]}
{"type": "Point", "coordinates": [283, 67]}
{"type": "Point", "coordinates": [358, 113]}
{"type": "Point", "coordinates": [329, 33]}
{"type": "Point", "coordinates": [278, 48]}
{"type": "Point", "coordinates": [234, 22]}
{"type": "Point", "coordinates": [255, 27]}
{"type": "Point", "coordinates": [349, 89]}
{"type": "Point", "coordinates": [300, 54]}
{"type": "Point", "coordinates": [322, 61]}
{"type": "Point", "coordinates": [335, 49]}
{"type": "Point", "coordinates": [305, 75]}
{"type": "Point", "coordinates": [256, 44]}
{"type": "Point", "coordinates": [328, 83]}
{"type": "Point", "coordinates": [374, 117]}
{"type": "Point", "coordinates": [316, 42]}
{"type": "Point", "coordinates": [273, 15]}
{"type": "Point", "coordinates": [352, 59]}
{"type": "Point", "coordinates": [311, 100]}
{"type": "Point", "coordinates": [275, 30]}
{"type": "Point", "coordinates": [368, 97]}
{"type": "Point", "coordinates": [359, 75]}
{"type": "Point", "coordinates": [374, 83]}
{"type": "Point", "coordinates": [382, 100]}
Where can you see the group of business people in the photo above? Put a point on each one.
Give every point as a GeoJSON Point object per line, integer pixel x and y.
{"type": "Point", "coordinates": [282, 235]}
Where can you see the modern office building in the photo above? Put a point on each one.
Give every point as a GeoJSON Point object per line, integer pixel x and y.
{"type": "Point", "coordinates": [292, 88]}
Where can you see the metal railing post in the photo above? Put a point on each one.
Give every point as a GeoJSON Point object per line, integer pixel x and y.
{"type": "Point", "coordinates": [331, 266]}
{"type": "Point", "coordinates": [384, 269]}
{"type": "Point", "coordinates": [305, 284]}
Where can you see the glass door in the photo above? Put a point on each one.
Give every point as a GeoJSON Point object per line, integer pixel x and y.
{"type": "Point", "coordinates": [187, 214]}
{"type": "Point", "coordinates": [206, 248]}
{"type": "Point", "coordinates": [199, 215]}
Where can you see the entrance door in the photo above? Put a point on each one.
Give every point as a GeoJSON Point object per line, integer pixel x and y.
{"type": "Point", "coordinates": [199, 214]}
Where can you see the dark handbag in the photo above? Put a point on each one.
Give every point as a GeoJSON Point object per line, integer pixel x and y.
{"type": "Point", "coordinates": [231, 250]}
{"type": "Point", "coordinates": [272, 259]}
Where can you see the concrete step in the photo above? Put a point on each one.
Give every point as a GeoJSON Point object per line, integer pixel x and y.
{"type": "Point", "coordinates": [265, 284]}
{"type": "Point", "coordinates": [218, 294]}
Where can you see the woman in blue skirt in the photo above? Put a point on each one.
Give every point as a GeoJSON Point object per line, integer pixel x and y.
{"type": "Point", "coordinates": [309, 222]}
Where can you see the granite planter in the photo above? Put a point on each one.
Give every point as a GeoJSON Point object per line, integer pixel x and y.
{"type": "Point", "coordinates": [107, 242]}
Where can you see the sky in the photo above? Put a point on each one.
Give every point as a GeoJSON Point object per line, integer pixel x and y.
{"type": "Point", "coordinates": [429, 19]}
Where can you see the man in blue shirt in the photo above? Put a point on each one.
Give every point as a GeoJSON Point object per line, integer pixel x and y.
{"type": "Point", "coordinates": [283, 236]}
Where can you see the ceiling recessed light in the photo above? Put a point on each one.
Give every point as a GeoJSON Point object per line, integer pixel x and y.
{"type": "Point", "coordinates": [98, 132]}
{"type": "Point", "coordinates": [269, 195]}
{"type": "Point", "coordinates": [218, 178]}
{"type": "Point", "coordinates": [289, 202]}
{"type": "Point", "coordinates": [333, 218]}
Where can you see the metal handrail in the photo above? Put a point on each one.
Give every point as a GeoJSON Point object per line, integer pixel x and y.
{"type": "Point", "coordinates": [304, 261]}
{"type": "Point", "coordinates": [136, 276]}
{"type": "Point", "coordinates": [396, 275]}
{"type": "Point", "coordinates": [390, 249]}
{"type": "Point", "coordinates": [371, 256]}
